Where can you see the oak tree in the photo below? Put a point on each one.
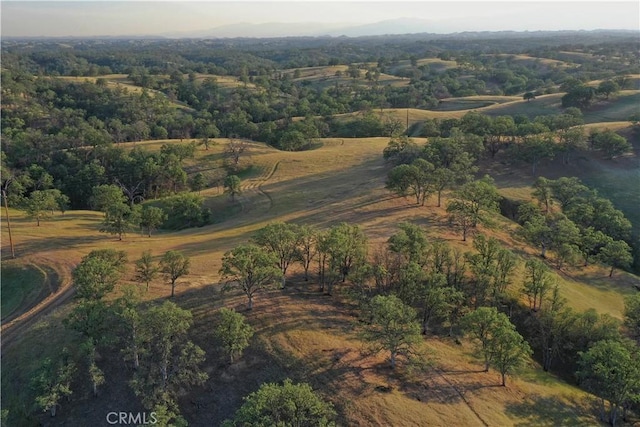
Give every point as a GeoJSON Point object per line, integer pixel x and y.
{"type": "Point", "coordinates": [174, 265]}
{"type": "Point", "coordinates": [250, 268]}
{"type": "Point", "coordinates": [233, 332]}
{"type": "Point", "coordinates": [393, 327]}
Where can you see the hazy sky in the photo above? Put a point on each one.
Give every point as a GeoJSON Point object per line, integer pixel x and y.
{"type": "Point", "coordinates": [85, 18]}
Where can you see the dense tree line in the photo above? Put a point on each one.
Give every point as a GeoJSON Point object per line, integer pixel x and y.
{"type": "Point", "coordinates": [584, 226]}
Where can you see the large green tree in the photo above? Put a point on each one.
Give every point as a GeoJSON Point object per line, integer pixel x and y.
{"type": "Point", "coordinates": [250, 268]}
{"type": "Point", "coordinates": [552, 328]}
{"type": "Point", "coordinates": [611, 370]}
{"type": "Point", "coordinates": [509, 350]}
{"type": "Point", "coordinates": [233, 332]}
{"type": "Point", "coordinates": [307, 238]}
{"type": "Point", "coordinates": [288, 404]}
{"type": "Point", "coordinates": [40, 204]}
{"type": "Point", "coordinates": [535, 148]}
{"type": "Point", "coordinates": [537, 282]}
{"type": "Point", "coordinates": [610, 143]}
{"type": "Point", "coordinates": [411, 242]}
{"type": "Point", "coordinates": [283, 240]}
{"type": "Point", "coordinates": [616, 253]}
{"type": "Point", "coordinates": [232, 186]}
{"type": "Point", "coordinates": [106, 196]}
{"type": "Point", "coordinates": [347, 247]}
{"type": "Point", "coordinates": [117, 220]}
{"type": "Point", "coordinates": [481, 325]}
{"type": "Point", "coordinates": [94, 279]}
{"type": "Point", "coordinates": [393, 327]}
{"type": "Point", "coordinates": [146, 269]}
{"type": "Point", "coordinates": [492, 267]}
{"type": "Point", "coordinates": [151, 218]}
{"type": "Point", "coordinates": [169, 361]}
{"type": "Point", "coordinates": [468, 202]}
{"type": "Point", "coordinates": [52, 382]}
{"type": "Point", "coordinates": [416, 179]}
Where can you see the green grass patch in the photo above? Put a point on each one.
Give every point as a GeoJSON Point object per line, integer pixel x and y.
{"type": "Point", "coordinates": [618, 108]}
{"type": "Point", "coordinates": [462, 104]}
{"type": "Point", "coordinates": [621, 186]}
{"type": "Point", "coordinates": [21, 284]}
{"type": "Point", "coordinates": [222, 208]}
{"type": "Point", "coordinates": [249, 172]}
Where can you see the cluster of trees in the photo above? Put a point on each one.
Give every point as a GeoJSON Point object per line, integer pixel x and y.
{"type": "Point", "coordinates": [139, 173]}
{"type": "Point", "coordinates": [66, 114]}
{"type": "Point", "coordinates": [594, 348]}
{"type": "Point", "coordinates": [582, 96]}
{"type": "Point", "coordinates": [154, 339]}
{"type": "Point", "coordinates": [412, 287]}
{"type": "Point", "coordinates": [403, 289]}
{"type": "Point", "coordinates": [584, 225]}
{"type": "Point", "coordinates": [531, 141]}
{"type": "Point", "coordinates": [119, 187]}
{"type": "Point", "coordinates": [288, 404]}
{"type": "Point", "coordinates": [265, 261]}
{"type": "Point", "coordinates": [154, 342]}
{"type": "Point", "coordinates": [614, 52]}
{"type": "Point", "coordinates": [441, 164]}
{"type": "Point", "coordinates": [415, 287]}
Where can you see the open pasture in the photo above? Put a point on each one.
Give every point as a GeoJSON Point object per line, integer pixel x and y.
{"type": "Point", "coordinates": [301, 333]}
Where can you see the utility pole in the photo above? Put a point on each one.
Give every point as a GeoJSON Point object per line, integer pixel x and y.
{"type": "Point", "coordinates": [407, 121]}
{"type": "Point", "coordinates": [6, 210]}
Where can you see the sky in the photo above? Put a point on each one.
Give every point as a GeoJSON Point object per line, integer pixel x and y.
{"type": "Point", "coordinates": [121, 18]}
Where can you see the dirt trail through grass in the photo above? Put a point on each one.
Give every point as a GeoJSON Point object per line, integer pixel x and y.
{"type": "Point", "coordinates": [254, 186]}
{"type": "Point", "coordinates": [61, 293]}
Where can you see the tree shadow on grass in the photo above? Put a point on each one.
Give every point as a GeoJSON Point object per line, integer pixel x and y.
{"type": "Point", "coordinates": [268, 358]}
{"type": "Point", "coordinates": [34, 246]}
{"type": "Point", "coordinates": [551, 411]}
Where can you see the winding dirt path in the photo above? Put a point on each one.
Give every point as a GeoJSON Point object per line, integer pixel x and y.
{"type": "Point", "coordinates": [255, 185]}
{"type": "Point", "coordinates": [62, 293]}
{"type": "Point", "coordinates": [259, 188]}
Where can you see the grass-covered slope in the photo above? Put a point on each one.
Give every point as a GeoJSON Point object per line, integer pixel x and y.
{"type": "Point", "coordinates": [301, 333]}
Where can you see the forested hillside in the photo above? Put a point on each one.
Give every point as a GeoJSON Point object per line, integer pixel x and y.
{"type": "Point", "coordinates": [390, 230]}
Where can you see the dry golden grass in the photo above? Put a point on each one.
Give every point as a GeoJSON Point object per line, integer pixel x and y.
{"type": "Point", "coordinates": [614, 126]}
{"type": "Point", "coordinates": [113, 81]}
{"type": "Point", "coordinates": [313, 337]}
{"type": "Point", "coordinates": [533, 60]}
{"type": "Point", "coordinates": [325, 76]}
{"type": "Point", "coordinates": [633, 78]}
{"type": "Point", "coordinates": [341, 181]}
{"type": "Point", "coordinates": [225, 82]}
{"type": "Point", "coordinates": [317, 72]}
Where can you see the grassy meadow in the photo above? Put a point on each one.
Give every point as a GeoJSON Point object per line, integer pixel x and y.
{"type": "Point", "coordinates": [20, 286]}
{"type": "Point", "coordinates": [301, 333]}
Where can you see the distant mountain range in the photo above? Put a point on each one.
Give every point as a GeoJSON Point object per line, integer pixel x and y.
{"type": "Point", "coordinates": [401, 26]}
{"type": "Point", "coordinates": [315, 29]}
